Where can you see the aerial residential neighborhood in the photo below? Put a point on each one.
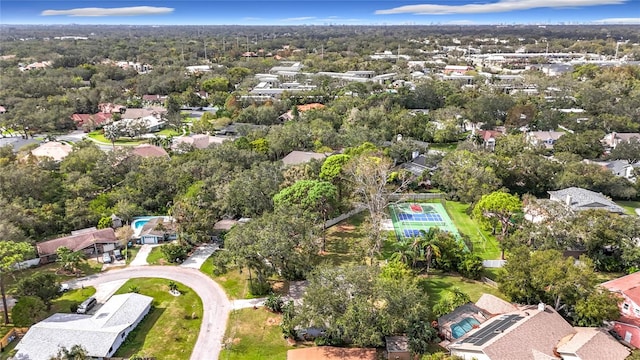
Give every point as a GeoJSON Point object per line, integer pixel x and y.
{"type": "Point", "coordinates": [331, 180]}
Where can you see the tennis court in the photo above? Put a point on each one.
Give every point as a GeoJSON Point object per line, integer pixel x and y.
{"type": "Point", "coordinates": [410, 219]}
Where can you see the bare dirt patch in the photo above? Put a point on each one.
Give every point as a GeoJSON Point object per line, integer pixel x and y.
{"type": "Point", "coordinates": [272, 321]}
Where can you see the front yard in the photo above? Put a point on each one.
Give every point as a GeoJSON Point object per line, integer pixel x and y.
{"type": "Point", "coordinates": [254, 334]}
{"type": "Point", "coordinates": [171, 328]}
{"type": "Point", "coordinates": [87, 267]}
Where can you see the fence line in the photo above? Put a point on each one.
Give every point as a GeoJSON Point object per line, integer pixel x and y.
{"type": "Point", "coordinates": [26, 264]}
{"type": "Point", "coordinates": [329, 223]}
{"type": "Point", "coordinates": [415, 197]}
{"type": "Point", "coordinates": [11, 336]}
{"type": "Point", "coordinates": [493, 263]}
{"type": "Point", "coordinates": [489, 282]}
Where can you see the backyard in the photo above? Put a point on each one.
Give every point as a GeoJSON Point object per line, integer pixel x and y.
{"type": "Point", "coordinates": [484, 244]}
{"type": "Point", "coordinates": [630, 206]}
{"type": "Point", "coordinates": [171, 328]}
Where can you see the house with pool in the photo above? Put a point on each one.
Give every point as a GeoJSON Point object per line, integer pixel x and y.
{"type": "Point", "coordinates": [154, 229]}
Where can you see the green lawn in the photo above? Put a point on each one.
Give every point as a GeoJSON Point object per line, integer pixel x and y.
{"type": "Point", "coordinates": [436, 285]}
{"type": "Point", "coordinates": [87, 267]}
{"type": "Point", "coordinates": [167, 332]}
{"type": "Point", "coordinates": [235, 284]}
{"type": "Point", "coordinates": [630, 206]}
{"type": "Point", "coordinates": [343, 239]}
{"type": "Point", "coordinates": [169, 132]}
{"type": "Point", "coordinates": [254, 334]}
{"type": "Point", "coordinates": [484, 244]}
{"type": "Point", "coordinates": [443, 147]}
{"type": "Point", "coordinates": [99, 137]}
{"type": "Point", "coordinates": [156, 258]}
{"type": "Point", "coordinates": [71, 297]}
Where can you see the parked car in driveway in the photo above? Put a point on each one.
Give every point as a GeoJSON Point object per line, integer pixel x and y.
{"type": "Point", "coordinates": [117, 254]}
{"type": "Point", "coordinates": [106, 258]}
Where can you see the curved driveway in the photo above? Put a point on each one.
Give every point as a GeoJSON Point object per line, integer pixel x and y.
{"type": "Point", "coordinates": [216, 306]}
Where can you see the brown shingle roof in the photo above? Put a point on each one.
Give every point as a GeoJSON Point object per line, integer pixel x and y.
{"type": "Point", "coordinates": [592, 344]}
{"type": "Point", "coordinates": [300, 157]}
{"type": "Point", "coordinates": [537, 332]}
{"type": "Point", "coordinates": [152, 228]}
{"type": "Point", "coordinates": [77, 242]}
{"type": "Point", "coordinates": [148, 150]}
{"type": "Point", "coordinates": [494, 305]}
{"type": "Point", "coordinates": [331, 353]}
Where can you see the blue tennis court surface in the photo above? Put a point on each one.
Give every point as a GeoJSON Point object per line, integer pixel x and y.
{"type": "Point", "coordinates": [410, 220]}
{"type": "Point", "coordinates": [409, 233]}
{"type": "Point", "coordinates": [433, 217]}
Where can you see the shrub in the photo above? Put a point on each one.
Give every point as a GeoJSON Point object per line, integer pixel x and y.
{"type": "Point", "coordinates": [274, 303]}
{"type": "Point", "coordinates": [174, 252]}
{"type": "Point", "coordinates": [471, 266]}
{"type": "Point", "coordinates": [259, 288]}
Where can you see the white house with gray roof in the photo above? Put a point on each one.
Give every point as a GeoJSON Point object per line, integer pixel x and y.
{"type": "Point", "coordinates": [579, 199]}
{"type": "Point", "coordinates": [100, 334]}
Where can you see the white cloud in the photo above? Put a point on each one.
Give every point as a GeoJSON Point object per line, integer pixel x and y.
{"type": "Point", "coordinates": [494, 7]}
{"type": "Point", "coordinates": [633, 21]}
{"type": "Point", "coordinates": [301, 18]}
{"type": "Point", "coordinates": [122, 11]}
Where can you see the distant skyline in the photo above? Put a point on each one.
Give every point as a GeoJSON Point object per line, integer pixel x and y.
{"type": "Point", "coordinates": [316, 12]}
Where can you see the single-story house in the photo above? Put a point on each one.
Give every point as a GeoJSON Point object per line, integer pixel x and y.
{"type": "Point", "coordinates": [151, 115]}
{"type": "Point", "coordinates": [90, 241]}
{"type": "Point", "coordinates": [158, 230]}
{"type": "Point", "coordinates": [111, 108]}
{"type": "Point", "coordinates": [620, 168]}
{"type": "Point", "coordinates": [198, 141]}
{"type": "Point", "coordinates": [301, 157]}
{"type": "Point", "coordinates": [154, 99]}
{"type": "Point", "coordinates": [591, 344]}
{"type": "Point", "coordinates": [52, 149]}
{"type": "Point", "coordinates": [90, 121]}
{"type": "Point", "coordinates": [100, 334]}
{"type": "Point", "coordinates": [534, 333]}
{"type": "Point", "coordinates": [628, 325]}
{"type": "Point", "coordinates": [149, 151]}
{"type": "Point", "coordinates": [546, 138]}
{"type": "Point", "coordinates": [578, 199]}
{"type": "Point", "coordinates": [331, 353]}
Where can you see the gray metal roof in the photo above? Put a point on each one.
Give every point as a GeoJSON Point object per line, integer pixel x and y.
{"type": "Point", "coordinates": [96, 333]}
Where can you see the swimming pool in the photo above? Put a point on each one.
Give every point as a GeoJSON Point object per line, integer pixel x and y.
{"type": "Point", "coordinates": [463, 327]}
{"type": "Point", "coordinates": [139, 222]}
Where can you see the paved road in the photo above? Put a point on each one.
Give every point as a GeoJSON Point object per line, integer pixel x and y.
{"type": "Point", "coordinates": [215, 303]}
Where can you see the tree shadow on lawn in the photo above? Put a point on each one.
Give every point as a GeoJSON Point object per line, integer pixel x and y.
{"type": "Point", "coordinates": [136, 339]}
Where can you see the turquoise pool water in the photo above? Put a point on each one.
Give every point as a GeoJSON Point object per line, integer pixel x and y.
{"type": "Point", "coordinates": [463, 327]}
{"type": "Point", "coordinates": [138, 223]}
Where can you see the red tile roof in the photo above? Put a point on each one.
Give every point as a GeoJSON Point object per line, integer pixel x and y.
{"type": "Point", "coordinates": [148, 150]}
{"type": "Point", "coordinates": [331, 353]}
{"type": "Point", "coordinates": [77, 242]}
{"type": "Point", "coordinates": [628, 285]}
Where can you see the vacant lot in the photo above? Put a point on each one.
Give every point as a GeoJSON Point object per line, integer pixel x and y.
{"type": "Point", "coordinates": [484, 244]}
{"type": "Point", "coordinates": [254, 334]}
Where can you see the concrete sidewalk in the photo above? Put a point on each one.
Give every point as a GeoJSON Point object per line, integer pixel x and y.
{"type": "Point", "coordinates": [199, 256]}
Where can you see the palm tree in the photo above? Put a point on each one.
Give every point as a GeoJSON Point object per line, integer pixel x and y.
{"type": "Point", "coordinates": [405, 252]}
{"type": "Point", "coordinates": [428, 245]}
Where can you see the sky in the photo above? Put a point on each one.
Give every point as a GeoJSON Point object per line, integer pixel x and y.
{"type": "Point", "coordinates": [319, 12]}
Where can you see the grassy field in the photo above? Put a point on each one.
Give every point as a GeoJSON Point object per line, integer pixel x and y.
{"type": "Point", "coordinates": [343, 239]}
{"type": "Point", "coordinates": [167, 332]}
{"type": "Point", "coordinates": [235, 284]}
{"type": "Point", "coordinates": [156, 258]}
{"type": "Point", "coordinates": [630, 206]}
{"type": "Point", "coordinates": [169, 132]}
{"type": "Point", "coordinates": [254, 334]}
{"type": "Point", "coordinates": [99, 137]}
{"type": "Point", "coordinates": [436, 285]}
{"type": "Point", "coordinates": [484, 244]}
